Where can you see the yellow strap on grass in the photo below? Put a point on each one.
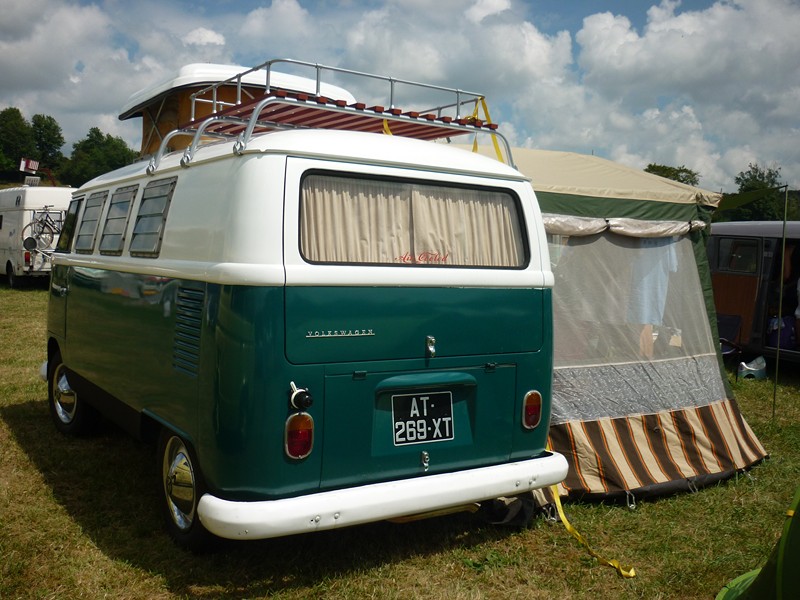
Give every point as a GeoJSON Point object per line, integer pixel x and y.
{"type": "Point", "coordinates": [628, 573]}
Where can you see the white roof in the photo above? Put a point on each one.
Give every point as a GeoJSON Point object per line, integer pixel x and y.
{"type": "Point", "coordinates": [349, 146]}
{"type": "Point", "coordinates": [199, 74]}
{"type": "Point", "coordinates": [772, 229]}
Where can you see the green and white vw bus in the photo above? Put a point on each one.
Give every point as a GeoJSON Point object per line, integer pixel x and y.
{"type": "Point", "coordinates": [322, 327]}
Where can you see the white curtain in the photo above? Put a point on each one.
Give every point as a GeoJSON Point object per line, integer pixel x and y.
{"type": "Point", "coordinates": [348, 220]}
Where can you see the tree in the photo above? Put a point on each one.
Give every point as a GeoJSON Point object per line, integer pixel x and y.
{"type": "Point", "coordinates": [681, 174]}
{"type": "Point", "coordinates": [767, 206]}
{"type": "Point", "coordinates": [48, 139]}
{"type": "Point", "coordinates": [16, 139]}
{"type": "Point", "coordinates": [94, 155]}
{"type": "Point", "coordinates": [6, 164]}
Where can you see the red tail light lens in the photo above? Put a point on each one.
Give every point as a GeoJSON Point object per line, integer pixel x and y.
{"type": "Point", "coordinates": [299, 435]}
{"type": "Point", "coordinates": [27, 258]}
{"type": "Point", "coordinates": [532, 410]}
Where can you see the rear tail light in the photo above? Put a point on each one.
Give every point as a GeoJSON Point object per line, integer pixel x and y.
{"type": "Point", "coordinates": [27, 259]}
{"type": "Point", "coordinates": [532, 409]}
{"type": "Point", "coordinates": [299, 438]}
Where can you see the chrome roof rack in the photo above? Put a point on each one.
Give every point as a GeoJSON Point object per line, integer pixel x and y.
{"type": "Point", "coordinates": [277, 108]}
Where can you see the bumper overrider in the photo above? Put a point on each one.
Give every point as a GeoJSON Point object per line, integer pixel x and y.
{"type": "Point", "coordinates": [377, 501]}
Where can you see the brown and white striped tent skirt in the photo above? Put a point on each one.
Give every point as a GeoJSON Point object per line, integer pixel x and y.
{"type": "Point", "coordinates": [656, 453]}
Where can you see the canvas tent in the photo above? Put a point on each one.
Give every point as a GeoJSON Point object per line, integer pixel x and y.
{"type": "Point", "coordinates": [640, 401]}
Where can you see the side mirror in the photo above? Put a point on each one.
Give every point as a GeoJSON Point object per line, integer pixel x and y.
{"type": "Point", "coordinates": [29, 243]}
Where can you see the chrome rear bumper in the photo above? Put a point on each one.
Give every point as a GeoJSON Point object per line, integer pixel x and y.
{"type": "Point", "coordinates": [378, 501]}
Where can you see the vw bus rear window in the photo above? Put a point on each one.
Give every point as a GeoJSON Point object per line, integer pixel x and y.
{"type": "Point", "coordinates": [365, 221]}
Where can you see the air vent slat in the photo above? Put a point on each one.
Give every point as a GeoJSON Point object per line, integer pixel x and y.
{"type": "Point", "coordinates": [188, 322]}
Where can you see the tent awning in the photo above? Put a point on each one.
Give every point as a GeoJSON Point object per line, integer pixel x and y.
{"type": "Point", "coordinates": [573, 174]}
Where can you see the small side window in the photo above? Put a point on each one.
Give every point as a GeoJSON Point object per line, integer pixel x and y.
{"type": "Point", "coordinates": [148, 230]}
{"type": "Point", "coordinates": [87, 231]}
{"type": "Point", "coordinates": [117, 220]}
{"type": "Point", "coordinates": [68, 228]}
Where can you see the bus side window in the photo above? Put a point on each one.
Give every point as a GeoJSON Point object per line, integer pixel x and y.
{"type": "Point", "coordinates": [148, 229]}
{"type": "Point", "coordinates": [738, 255]}
{"type": "Point", "coordinates": [68, 228]}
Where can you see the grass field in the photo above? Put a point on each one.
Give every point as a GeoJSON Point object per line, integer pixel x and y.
{"type": "Point", "coordinates": [78, 519]}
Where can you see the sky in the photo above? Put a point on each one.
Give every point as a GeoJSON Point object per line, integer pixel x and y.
{"type": "Point", "coordinates": [710, 85]}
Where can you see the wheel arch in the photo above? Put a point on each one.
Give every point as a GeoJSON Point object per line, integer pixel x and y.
{"type": "Point", "coordinates": [53, 347]}
{"type": "Point", "coordinates": [152, 424]}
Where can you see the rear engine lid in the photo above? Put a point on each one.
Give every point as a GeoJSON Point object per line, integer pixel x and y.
{"type": "Point", "coordinates": [343, 324]}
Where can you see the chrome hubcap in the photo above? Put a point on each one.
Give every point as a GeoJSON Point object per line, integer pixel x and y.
{"type": "Point", "coordinates": [65, 400]}
{"type": "Point", "coordinates": [179, 484]}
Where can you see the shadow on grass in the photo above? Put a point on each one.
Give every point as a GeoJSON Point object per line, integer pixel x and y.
{"type": "Point", "coordinates": [25, 284]}
{"type": "Point", "coordinates": [108, 485]}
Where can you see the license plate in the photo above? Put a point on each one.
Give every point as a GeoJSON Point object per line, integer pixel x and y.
{"type": "Point", "coordinates": [421, 418]}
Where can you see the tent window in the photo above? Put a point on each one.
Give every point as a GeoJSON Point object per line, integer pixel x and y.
{"type": "Point", "coordinates": [738, 255]}
{"type": "Point", "coordinates": [619, 299]}
{"type": "Point", "coordinates": [348, 220]}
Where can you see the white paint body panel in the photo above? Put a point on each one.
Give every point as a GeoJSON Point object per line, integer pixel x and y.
{"type": "Point", "coordinates": [229, 223]}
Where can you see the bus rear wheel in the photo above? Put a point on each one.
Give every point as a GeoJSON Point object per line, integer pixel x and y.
{"type": "Point", "coordinates": [181, 488]}
{"type": "Point", "coordinates": [70, 413]}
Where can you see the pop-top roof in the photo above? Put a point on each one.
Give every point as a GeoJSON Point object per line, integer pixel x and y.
{"type": "Point", "coordinates": [266, 100]}
{"type": "Point", "coordinates": [205, 74]}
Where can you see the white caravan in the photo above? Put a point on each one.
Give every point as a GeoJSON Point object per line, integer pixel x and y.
{"type": "Point", "coordinates": [35, 214]}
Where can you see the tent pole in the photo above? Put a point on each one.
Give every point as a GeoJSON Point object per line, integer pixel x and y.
{"type": "Point", "coordinates": [780, 299]}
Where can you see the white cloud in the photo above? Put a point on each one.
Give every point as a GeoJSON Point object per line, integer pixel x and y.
{"type": "Point", "coordinates": [283, 20]}
{"type": "Point", "coordinates": [710, 89]}
{"type": "Point", "coordinates": [30, 62]}
{"type": "Point", "coordinates": [486, 8]}
{"type": "Point", "coordinates": [203, 37]}
{"type": "Point", "coordinates": [734, 64]}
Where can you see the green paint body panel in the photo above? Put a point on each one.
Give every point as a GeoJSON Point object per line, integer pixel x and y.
{"type": "Point", "coordinates": [215, 361]}
{"type": "Point", "coordinates": [464, 322]}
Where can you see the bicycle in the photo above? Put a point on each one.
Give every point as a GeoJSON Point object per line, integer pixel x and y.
{"type": "Point", "coordinates": [43, 229]}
